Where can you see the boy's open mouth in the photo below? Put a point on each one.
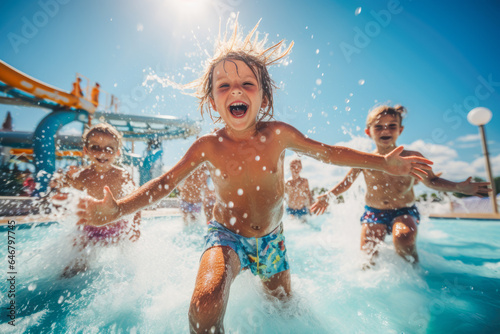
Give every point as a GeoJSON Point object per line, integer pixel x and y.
{"type": "Point", "coordinates": [385, 137]}
{"type": "Point", "coordinates": [238, 109]}
{"type": "Point", "coordinates": [101, 160]}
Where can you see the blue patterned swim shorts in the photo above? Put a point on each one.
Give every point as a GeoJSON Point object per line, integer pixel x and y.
{"type": "Point", "coordinates": [265, 256]}
{"type": "Point", "coordinates": [377, 216]}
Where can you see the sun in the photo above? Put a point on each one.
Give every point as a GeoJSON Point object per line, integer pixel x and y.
{"type": "Point", "coordinates": [189, 8]}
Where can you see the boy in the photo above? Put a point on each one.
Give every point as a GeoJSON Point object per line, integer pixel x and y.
{"type": "Point", "coordinates": [390, 200]}
{"type": "Point", "coordinates": [299, 197]}
{"type": "Point", "coordinates": [245, 160]}
{"type": "Point", "coordinates": [101, 146]}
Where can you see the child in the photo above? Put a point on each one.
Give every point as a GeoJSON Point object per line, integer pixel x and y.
{"type": "Point", "coordinates": [101, 146]}
{"type": "Point", "coordinates": [77, 89]}
{"type": "Point", "coordinates": [299, 197]}
{"type": "Point", "coordinates": [245, 159]}
{"type": "Point", "coordinates": [191, 195]}
{"type": "Point", "coordinates": [390, 200]}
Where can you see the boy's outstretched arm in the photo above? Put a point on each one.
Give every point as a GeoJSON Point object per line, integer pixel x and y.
{"type": "Point", "coordinates": [466, 187]}
{"type": "Point", "coordinates": [100, 212]}
{"type": "Point", "coordinates": [321, 204]}
{"type": "Point", "coordinates": [392, 163]}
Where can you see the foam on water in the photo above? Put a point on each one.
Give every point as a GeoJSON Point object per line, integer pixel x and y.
{"type": "Point", "coordinates": [146, 286]}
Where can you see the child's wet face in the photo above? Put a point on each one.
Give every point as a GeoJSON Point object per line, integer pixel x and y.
{"type": "Point", "coordinates": [237, 95]}
{"type": "Point", "coordinates": [102, 149]}
{"type": "Point", "coordinates": [385, 130]}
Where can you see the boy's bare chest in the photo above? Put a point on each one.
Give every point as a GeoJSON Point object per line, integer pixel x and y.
{"type": "Point", "coordinates": [247, 167]}
{"type": "Point", "coordinates": [94, 183]}
{"type": "Point", "coordinates": [377, 181]}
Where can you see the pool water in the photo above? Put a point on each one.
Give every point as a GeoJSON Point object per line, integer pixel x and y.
{"type": "Point", "coordinates": [146, 287]}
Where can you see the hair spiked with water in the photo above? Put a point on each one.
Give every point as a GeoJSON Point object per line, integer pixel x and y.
{"type": "Point", "coordinates": [253, 52]}
{"type": "Point", "coordinates": [399, 111]}
{"type": "Point", "coordinates": [104, 128]}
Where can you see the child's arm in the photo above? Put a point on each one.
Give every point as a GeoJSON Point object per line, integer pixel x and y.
{"type": "Point", "coordinates": [322, 203]}
{"type": "Point", "coordinates": [63, 180]}
{"type": "Point", "coordinates": [467, 187]}
{"type": "Point", "coordinates": [391, 163]}
{"type": "Point", "coordinates": [95, 212]}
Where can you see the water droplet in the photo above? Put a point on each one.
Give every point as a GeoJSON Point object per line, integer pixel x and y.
{"type": "Point", "coordinates": [375, 187]}
{"type": "Point", "coordinates": [263, 138]}
{"type": "Point", "coordinates": [357, 11]}
{"type": "Point", "coordinates": [232, 221]}
{"type": "Point", "coordinates": [278, 131]}
{"type": "Point", "coordinates": [31, 287]}
{"type": "Point", "coordinates": [230, 204]}
{"type": "Point", "coordinates": [264, 168]}
{"type": "Point", "coordinates": [317, 51]}
{"type": "Point", "coordinates": [240, 191]}
{"type": "Point", "coordinates": [258, 188]}
{"type": "Point", "coordinates": [217, 172]}
{"type": "Point", "coordinates": [202, 154]}
{"type": "Point", "coordinates": [361, 82]}
{"type": "Point", "coordinates": [221, 139]}
{"type": "Point", "coordinates": [245, 215]}
{"type": "Point", "coordinates": [257, 158]}
{"type": "Point", "coordinates": [318, 82]}
{"type": "Point", "coordinates": [60, 300]}
{"type": "Point", "coordinates": [347, 108]}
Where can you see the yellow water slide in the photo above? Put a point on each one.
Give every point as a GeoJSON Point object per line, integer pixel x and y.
{"type": "Point", "coordinates": [17, 79]}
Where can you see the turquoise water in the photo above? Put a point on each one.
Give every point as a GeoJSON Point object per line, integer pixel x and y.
{"type": "Point", "coordinates": [146, 287]}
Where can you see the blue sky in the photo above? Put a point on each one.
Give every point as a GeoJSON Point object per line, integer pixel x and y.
{"type": "Point", "coordinates": [437, 58]}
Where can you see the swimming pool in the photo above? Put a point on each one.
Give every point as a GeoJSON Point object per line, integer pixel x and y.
{"type": "Point", "coordinates": [146, 287]}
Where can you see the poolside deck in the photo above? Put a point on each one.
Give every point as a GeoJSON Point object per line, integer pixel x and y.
{"type": "Point", "coordinates": [466, 215]}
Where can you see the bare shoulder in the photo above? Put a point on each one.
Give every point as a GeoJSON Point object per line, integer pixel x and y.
{"type": "Point", "coordinates": [279, 126]}
{"type": "Point", "coordinates": [284, 132]}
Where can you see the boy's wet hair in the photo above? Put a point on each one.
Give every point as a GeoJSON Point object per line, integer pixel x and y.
{"type": "Point", "coordinates": [398, 111]}
{"type": "Point", "coordinates": [104, 128]}
{"type": "Point", "coordinates": [254, 54]}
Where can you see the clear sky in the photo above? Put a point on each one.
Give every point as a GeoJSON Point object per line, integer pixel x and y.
{"type": "Point", "coordinates": [437, 58]}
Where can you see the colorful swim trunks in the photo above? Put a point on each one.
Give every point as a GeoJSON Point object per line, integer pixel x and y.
{"type": "Point", "coordinates": [190, 207]}
{"type": "Point", "coordinates": [265, 256]}
{"type": "Point", "coordinates": [377, 216]}
{"type": "Point", "coordinates": [108, 233]}
{"type": "Point", "coordinates": [297, 212]}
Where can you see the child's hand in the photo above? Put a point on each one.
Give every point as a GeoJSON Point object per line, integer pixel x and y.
{"type": "Point", "coordinates": [320, 205]}
{"type": "Point", "coordinates": [98, 213]}
{"type": "Point", "coordinates": [412, 165]}
{"type": "Point", "coordinates": [468, 187]}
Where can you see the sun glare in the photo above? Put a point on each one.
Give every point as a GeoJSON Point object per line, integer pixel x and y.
{"type": "Point", "coordinates": [189, 8]}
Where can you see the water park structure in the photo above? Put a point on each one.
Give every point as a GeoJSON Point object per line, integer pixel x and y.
{"type": "Point", "coordinates": [44, 144]}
